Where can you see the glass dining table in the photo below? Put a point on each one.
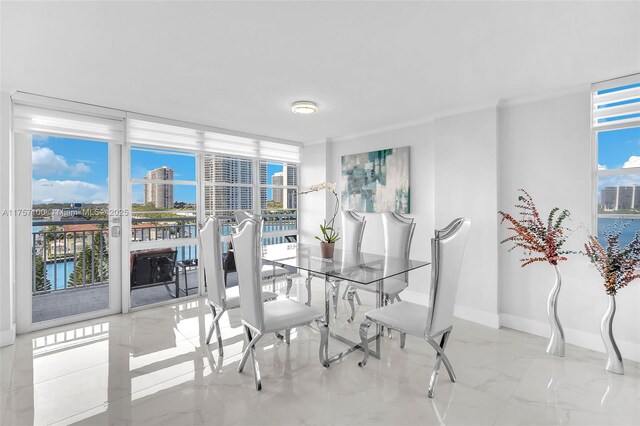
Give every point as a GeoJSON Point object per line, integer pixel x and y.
{"type": "Point", "coordinates": [362, 268]}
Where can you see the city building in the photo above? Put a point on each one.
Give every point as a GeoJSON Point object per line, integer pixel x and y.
{"type": "Point", "coordinates": [226, 198]}
{"type": "Point", "coordinates": [277, 179]}
{"type": "Point", "coordinates": [614, 198]}
{"type": "Point", "coordinates": [159, 194]}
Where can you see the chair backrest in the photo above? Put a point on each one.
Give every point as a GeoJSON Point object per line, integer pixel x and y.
{"type": "Point", "coordinates": [447, 251]}
{"type": "Point", "coordinates": [398, 234]}
{"type": "Point", "coordinates": [242, 215]}
{"type": "Point", "coordinates": [352, 231]}
{"type": "Point", "coordinates": [248, 253]}
{"type": "Point", "coordinates": [212, 259]}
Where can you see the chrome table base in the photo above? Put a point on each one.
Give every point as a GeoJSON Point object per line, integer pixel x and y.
{"type": "Point", "coordinates": [329, 293]}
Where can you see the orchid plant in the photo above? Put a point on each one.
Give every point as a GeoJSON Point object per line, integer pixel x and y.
{"type": "Point", "coordinates": [618, 266]}
{"type": "Point", "coordinates": [329, 233]}
{"type": "Point", "coordinates": [534, 235]}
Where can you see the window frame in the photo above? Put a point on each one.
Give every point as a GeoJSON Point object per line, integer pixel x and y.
{"type": "Point", "coordinates": [285, 188]}
{"type": "Point", "coordinates": [595, 131]}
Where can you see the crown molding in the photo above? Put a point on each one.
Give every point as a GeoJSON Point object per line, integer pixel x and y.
{"type": "Point", "coordinates": [527, 99]}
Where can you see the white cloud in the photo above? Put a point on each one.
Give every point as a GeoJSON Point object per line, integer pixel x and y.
{"type": "Point", "coordinates": [46, 162]}
{"type": "Point", "coordinates": [633, 161]}
{"type": "Point", "coordinates": [601, 167]}
{"type": "Point", "coordinates": [67, 191]}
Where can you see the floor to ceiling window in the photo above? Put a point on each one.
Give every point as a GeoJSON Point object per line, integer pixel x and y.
{"type": "Point", "coordinates": [116, 199]}
{"type": "Point", "coordinates": [163, 225]}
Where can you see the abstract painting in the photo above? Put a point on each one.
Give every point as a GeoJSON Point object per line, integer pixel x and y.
{"type": "Point", "coordinates": [376, 181]}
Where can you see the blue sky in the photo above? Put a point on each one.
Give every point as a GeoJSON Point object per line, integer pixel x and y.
{"type": "Point", "coordinates": [71, 170]}
{"type": "Point", "coordinates": [617, 148]}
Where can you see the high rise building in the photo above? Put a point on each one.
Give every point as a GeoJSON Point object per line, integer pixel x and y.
{"type": "Point", "coordinates": [277, 179]}
{"type": "Point", "coordinates": [224, 198]}
{"type": "Point", "coordinates": [291, 172]}
{"type": "Point", "coordinates": [158, 194]}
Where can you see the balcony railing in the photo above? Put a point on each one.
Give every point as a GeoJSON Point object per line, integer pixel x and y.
{"type": "Point", "coordinates": [74, 254]}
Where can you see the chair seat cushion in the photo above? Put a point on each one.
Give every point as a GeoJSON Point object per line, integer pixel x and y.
{"type": "Point", "coordinates": [267, 272]}
{"type": "Point", "coordinates": [233, 297]}
{"type": "Point", "coordinates": [403, 316]}
{"type": "Point", "coordinates": [286, 313]}
{"type": "Point", "coordinates": [391, 286]}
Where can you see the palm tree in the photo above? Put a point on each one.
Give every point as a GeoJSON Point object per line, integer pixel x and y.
{"type": "Point", "coordinates": [92, 263]}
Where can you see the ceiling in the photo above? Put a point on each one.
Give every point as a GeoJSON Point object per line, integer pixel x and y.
{"type": "Point", "coordinates": [369, 65]}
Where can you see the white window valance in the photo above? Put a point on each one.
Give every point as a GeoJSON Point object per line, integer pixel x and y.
{"type": "Point", "coordinates": [616, 103]}
{"type": "Point", "coordinates": [37, 114]}
{"type": "Point", "coordinates": [56, 117]}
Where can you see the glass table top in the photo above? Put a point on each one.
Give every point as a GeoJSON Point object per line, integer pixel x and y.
{"type": "Point", "coordinates": [363, 268]}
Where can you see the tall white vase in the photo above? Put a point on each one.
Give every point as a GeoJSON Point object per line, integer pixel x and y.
{"type": "Point", "coordinates": [614, 359]}
{"type": "Point", "coordinates": [556, 343]}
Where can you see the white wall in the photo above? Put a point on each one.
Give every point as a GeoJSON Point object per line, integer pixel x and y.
{"type": "Point", "coordinates": [545, 147]}
{"type": "Point", "coordinates": [471, 165]}
{"type": "Point", "coordinates": [453, 174]}
{"type": "Point", "coordinates": [420, 140]}
{"type": "Point", "coordinates": [7, 313]}
{"type": "Point", "coordinates": [466, 181]}
{"type": "Point", "coordinates": [312, 207]}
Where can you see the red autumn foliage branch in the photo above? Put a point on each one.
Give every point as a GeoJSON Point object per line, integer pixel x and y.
{"type": "Point", "coordinates": [534, 235]}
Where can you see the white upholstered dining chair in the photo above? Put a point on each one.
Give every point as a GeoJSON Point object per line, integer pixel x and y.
{"type": "Point", "coordinates": [352, 231]}
{"type": "Point", "coordinates": [269, 272]}
{"type": "Point", "coordinates": [398, 234]}
{"type": "Point", "coordinates": [436, 319]}
{"type": "Point", "coordinates": [259, 318]}
{"type": "Point", "coordinates": [220, 299]}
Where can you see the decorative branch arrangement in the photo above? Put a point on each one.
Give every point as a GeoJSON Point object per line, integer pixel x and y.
{"type": "Point", "coordinates": [536, 236]}
{"type": "Point", "coordinates": [617, 266]}
{"type": "Point", "coordinates": [329, 233]}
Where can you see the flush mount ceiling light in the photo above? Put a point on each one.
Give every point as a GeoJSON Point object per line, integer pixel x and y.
{"type": "Point", "coordinates": [304, 107]}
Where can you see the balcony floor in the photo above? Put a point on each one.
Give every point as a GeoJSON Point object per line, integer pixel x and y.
{"type": "Point", "coordinates": [65, 303]}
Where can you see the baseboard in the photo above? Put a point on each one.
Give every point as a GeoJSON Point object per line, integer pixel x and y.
{"type": "Point", "coordinates": [8, 337]}
{"type": "Point", "coordinates": [464, 312]}
{"type": "Point", "coordinates": [593, 341]}
{"type": "Point", "coordinates": [476, 315]}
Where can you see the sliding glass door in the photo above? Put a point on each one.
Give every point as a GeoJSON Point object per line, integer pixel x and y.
{"type": "Point", "coordinates": [71, 232]}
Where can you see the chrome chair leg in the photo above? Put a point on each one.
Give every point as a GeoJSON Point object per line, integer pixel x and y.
{"type": "Point", "coordinates": [440, 357]}
{"type": "Point", "coordinates": [350, 296]}
{"type": "Point", "coordinates": [335, 292]}
{"type": "Point", "coordinates": [307, 284]}
{"type": "Point", "coordinates": [355, 293]}
{"type": "Point", "coordinates": [387, 301]}
{"type": "Point", "coordinates": [210, 333]}
{"type": "Point", "coordinates": [245, 354]}
{"type": "Point", "coordinates": [364, 331]}
{"type": "Point", "coordinates": [256, 368]}
{"type": "Point", "coordinates": [289, 285]}
{"type": "Point", "coordinates": [216, 324]}
{"type": "Point", "coordinates": [287, 336]}
{"type": "Point", "coordinates": [324, 342]}
{"type": "Point", "coordinates": [403, 338]}
{"type": "Point", "coordinates": [344, 293]}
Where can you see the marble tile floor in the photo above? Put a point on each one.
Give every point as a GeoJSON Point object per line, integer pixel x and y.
{"type": "Point", "coordinates": [152, 367]}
